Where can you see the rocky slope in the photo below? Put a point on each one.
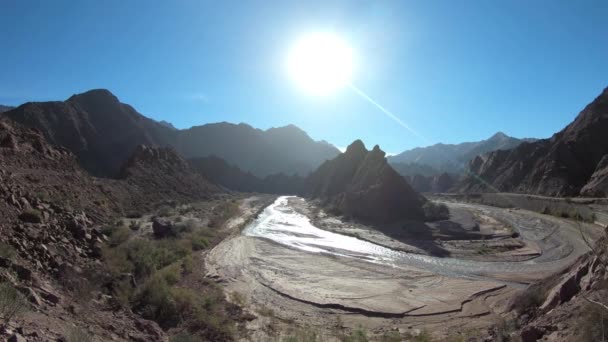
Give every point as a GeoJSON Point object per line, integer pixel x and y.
{"type": "Point", "coordinates": [220, 172]}
{"type": "Point", "coordinates": [451, 158]}
{"type": "Point", "coordinates": [362, 184]}
{"type": "Point", "coordinates": [572, 162]}
{"type": "Point", "coordinates": [49, 240]}
{"type": "Point", "coordinates": [103, 132]}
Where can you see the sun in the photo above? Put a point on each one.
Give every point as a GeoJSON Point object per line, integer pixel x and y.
{"type": "Point", "coordinates": [320, 63]}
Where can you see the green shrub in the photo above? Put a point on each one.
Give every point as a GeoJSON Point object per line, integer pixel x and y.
{"type": "Point", "coordinates": [357, 335]}
{"type": "Point", "coordinates": [119, 235]}
{"type": "Point", "coordinates": [12, 302]}
{"type": "Point", "coordinates": [199, 243]}
{"type": "Point", "coordinates": [155, 302]}
{"type": "Point", "coordinates": [7, 251]}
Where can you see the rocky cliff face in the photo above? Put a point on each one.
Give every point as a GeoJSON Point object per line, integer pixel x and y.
{"type": "Point", "coordinates": [360, 183]}
{"type": "Point", "coordinates": [567, 164]}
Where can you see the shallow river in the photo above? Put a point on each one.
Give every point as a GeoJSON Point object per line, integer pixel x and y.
{"type": "Point", "coordinates": [282, 224]}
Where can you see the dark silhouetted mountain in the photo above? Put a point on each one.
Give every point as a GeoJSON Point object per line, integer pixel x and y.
{"type": "Point", "coordinates": [103, 133]}
{"type": "Point", "coordinates": [4, 108]}
{"type": "Point", "coordinates": [440, 158]}
{"type": "Point", "coordinates": [95, 126]}
{"type": "Point", "coordinates": [570, 161]}
{"type": "Point", "coordinates": [229, 176]}
{"type": "Point", "coordinates": [362, 184]}
{"type": "Point", "coordinates": [287, 150]}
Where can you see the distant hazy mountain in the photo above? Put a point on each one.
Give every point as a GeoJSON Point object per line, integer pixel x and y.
{"type": "Point", "coordinates": [451, 158]}
{"type": "Point", "coordinates": [4, 108]}
{"type": "Point", "coordinates": [362, 184]}
{"type": "Point", "coordinates": [231, 177]}
{"type": "Point", "coordinates": [287, 150]}
{"type": "Point", "coordinates": [573, 161]}
{"type": "Point", "coordinates": [103, 132]}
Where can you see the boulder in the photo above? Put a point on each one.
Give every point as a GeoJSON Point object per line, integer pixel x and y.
{"type": "Point", "coordinates": [532, 333]}
{"type": "Point", "coordinates": [163, 228]}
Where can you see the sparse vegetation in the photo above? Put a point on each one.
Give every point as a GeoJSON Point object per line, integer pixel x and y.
{"type": "Point", "coordinates": [7, 251]}
{"type": "Point", "coordinates": [357, 335]}
{"type": "Point", "coordinates": [529, 300]}
{"type": "Point", "coordinates": [77, 334]}
{"type": "Point", "coordinates": [12, 302]}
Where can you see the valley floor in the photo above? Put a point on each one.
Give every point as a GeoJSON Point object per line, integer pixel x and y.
{"type": "Point", "coordinates": [297, 285]}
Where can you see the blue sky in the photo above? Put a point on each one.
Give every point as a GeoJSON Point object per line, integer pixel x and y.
{"type": "Point", "coordinates": [453, 71]}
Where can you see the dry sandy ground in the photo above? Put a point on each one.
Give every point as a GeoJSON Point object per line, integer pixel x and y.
{"type": "Point", "coordinates": [290, 290]}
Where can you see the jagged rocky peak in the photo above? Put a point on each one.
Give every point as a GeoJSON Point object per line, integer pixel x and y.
{"type": "Point", "coordinates": [356, 146]}
{"type": "Point", "coordinates": [362, 184]}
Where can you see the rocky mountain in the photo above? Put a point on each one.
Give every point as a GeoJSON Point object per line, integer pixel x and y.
{"type": "Point", "coordinates": [362, 184]}
{"type": "Point", "coordinates": [95, 126]}
{"type": "Point", "coordinates": [160, 173]}
{"type": "Point", "coordinates": [4, 108]}
{"type": "Point", "coordinates": [103, 132]}
{"type": "Point", "coordinates": [51, 237]}
{"type": "Point", "coordinates": [572, 162]}
{"type": "Point", "coordinates": [287, 150]}
{"type": "Point", "coordinates": [230, 176]}
{"type": "Point", "coordinates": [451, 158]}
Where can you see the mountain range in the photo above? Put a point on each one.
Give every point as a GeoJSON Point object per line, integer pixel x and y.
{"type": "Point", "coordinates": [449, 158]}
{"type": "Point", "coordinates": [572, 162]}
{"type": "Point", "coordinates": [103, 132]}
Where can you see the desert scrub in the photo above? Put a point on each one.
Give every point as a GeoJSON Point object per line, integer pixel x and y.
{"type": "Point", "coordinates": [12, 302]}
{"type": "Point", "coordinates": [435, 211]}
{"type": "Point", "coordinates": [357, 335]}
{"type": "Point", "coordinates": [77, 334]}
{"type": "Point", "coordinates": [7, 251]}
{"type": "Point", "coordinates": [119, 236]}
{"type": "Point", "coordinates": [223, 212]}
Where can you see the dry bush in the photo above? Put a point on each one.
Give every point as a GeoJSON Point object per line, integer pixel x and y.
{"type": "Point", "coordinates": [12, 302]}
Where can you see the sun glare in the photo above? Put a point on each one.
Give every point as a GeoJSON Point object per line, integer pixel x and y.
{"type": "Point", "coordinates": [320, 63]}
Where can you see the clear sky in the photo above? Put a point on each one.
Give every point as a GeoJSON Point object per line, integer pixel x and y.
{"type": "Point", "coordinates": [452, 70]}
